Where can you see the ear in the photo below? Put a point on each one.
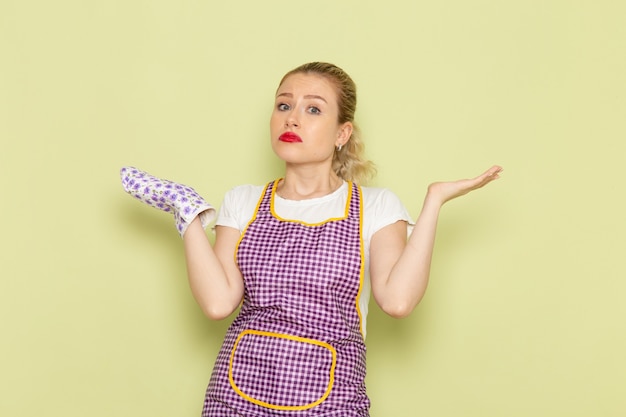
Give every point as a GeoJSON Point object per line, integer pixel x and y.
{"type": "Point", "coordinates": [344, 133]}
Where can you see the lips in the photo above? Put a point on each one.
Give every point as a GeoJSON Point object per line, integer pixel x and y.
{"type": "Point", "coordinates": [289, 137]}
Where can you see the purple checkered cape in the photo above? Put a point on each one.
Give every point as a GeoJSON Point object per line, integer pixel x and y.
{"type": "Point", "coordinates": [296, 348]}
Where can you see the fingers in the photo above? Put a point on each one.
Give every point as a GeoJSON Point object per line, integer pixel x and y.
{"type": "Point", "coordinates": [491, 174]}
{"type": "Point", "coordinates": [494, 171]}
{"type": "Point", "coordinates": [446, 191]}
{"type": "Point", "coordinates": [486, 177]}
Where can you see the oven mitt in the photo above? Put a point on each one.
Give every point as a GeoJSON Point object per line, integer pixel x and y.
{"type": "Point", "coordinates": [181, 200]}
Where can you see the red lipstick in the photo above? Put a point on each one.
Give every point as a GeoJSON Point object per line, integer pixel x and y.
{"type": "Point", "coordinates": [289, 137]}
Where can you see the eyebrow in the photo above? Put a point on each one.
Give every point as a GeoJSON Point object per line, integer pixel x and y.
{"type": "Point", "coordinates": [308, 96]}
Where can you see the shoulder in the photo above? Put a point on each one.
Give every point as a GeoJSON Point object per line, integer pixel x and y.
{"type": "Point", "coordinates": [381, 207]}
{"type": "Point", "coordinates": [380, 198]}
{"type": "Point", "coordinates": [245, 192]}
{"type": "Point", "coordinates": [375, 192]}
{"type": "Point", "coordinates": [238, 205]}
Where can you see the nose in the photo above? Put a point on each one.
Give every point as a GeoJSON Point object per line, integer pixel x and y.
{"type": "Point", "coordinates": [291, 120]}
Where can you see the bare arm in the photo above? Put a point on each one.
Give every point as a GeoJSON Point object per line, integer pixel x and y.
{"type": "Point", "coordinates": [216, 282]}
{"type": "Point", "coordinates": [400, 269]}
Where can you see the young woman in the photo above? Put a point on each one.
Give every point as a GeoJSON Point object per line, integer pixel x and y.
{"type": "Point", "coordinates": [304, 253]}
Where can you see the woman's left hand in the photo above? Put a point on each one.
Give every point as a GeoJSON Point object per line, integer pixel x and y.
{"type": "Point", "coordinates": [446, 191]}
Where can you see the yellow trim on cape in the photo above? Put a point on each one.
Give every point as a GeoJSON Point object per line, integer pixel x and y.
{"type": "Point", "coordinates": [332, 219]}
{"type": "Point", "coordinates": [362, 267]}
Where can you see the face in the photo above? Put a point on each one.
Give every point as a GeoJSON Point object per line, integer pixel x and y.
{"type": "Point", "coordinates": [304, 125]}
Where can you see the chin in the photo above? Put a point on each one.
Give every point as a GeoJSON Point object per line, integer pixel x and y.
{"type": "Point", "coordinates": [284, 151]}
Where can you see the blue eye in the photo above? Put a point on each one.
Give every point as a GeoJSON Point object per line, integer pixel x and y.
{"type": "Point", "coordinates": [314, 110]}
{"type": "Point", "coordinates": [283, 107]}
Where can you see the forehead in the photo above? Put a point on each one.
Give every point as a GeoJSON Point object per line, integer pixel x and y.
{"type": "Point", "coordinates": [308, 84]}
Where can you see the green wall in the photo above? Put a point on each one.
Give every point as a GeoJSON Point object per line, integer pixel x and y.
{"type": "Point", "coordinates": [525, 314]}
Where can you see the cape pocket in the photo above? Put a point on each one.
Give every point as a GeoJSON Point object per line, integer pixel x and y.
{"type": "Point", "coordinates": [281, 371]}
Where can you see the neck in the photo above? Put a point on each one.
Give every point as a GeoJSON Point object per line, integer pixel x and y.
{"type": "Point", "coordinates": [303, 185]}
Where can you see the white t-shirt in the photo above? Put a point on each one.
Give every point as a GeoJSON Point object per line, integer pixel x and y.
{"type": "Point", "coordinates": [381, 207]}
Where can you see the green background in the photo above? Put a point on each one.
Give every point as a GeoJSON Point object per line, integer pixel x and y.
{"type": "Point", "coordinates": [525, 313]}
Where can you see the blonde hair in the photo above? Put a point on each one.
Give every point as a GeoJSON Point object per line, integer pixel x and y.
{"type": "Point", "coordinates": [349, 162]}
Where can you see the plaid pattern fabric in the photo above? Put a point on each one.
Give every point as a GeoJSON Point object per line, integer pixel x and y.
{"type": "Point", "coordinates": [296, 347]}
{"type": "Point", "coordinates": [286, 373]}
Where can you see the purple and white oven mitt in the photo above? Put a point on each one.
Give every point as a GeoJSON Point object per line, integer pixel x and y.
{"type": "Point", "coordinates": [181, 200]}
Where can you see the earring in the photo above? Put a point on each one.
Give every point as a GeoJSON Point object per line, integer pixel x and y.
{"type": "Point", "coordinates": [339, 147]}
